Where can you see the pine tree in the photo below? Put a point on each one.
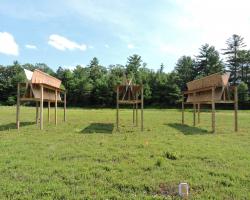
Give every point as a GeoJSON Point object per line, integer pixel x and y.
{"type": "Point", "coordinates": [234, 44]}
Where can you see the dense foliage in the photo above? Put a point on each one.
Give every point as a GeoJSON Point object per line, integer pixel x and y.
{"type": "Point", "coordinates": [94, 84]}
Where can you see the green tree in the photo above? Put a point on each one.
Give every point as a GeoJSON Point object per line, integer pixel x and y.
{"type": "Point", "coordinates": [185, 71]}
{"type": "Point", "coordinates": [234, 44]}
{"type": "Point", "coordinates": [133, 64]}
{"type": "Point", "coordinates": [208, 61]}
{"type": "Point", "coordinates": [243, 93]}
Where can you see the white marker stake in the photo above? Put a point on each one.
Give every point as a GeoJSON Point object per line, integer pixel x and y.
{"type": "Point", "coordinates": [183, 190]}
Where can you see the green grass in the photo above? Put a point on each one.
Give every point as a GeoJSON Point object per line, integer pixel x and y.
{"type": "Point", "coordinates": [85, 158]}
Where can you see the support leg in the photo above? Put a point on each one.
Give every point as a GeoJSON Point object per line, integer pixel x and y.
{"type": "Point", "coordinates": [133, 114]}
{"type": "Point", "coordinates": [117, 108]}
{"type": "Point", "coordinates": [41, 108]}
{"type": "Point", "coordinates": [18, 107]}
{"type": "Point", "coordinates": [64, 106]}
{"type": "Point", "coordinates": [199, 106]}
{"type": "Point", "coordinates": [194, 114]}
{"type": "Point", "coordinates": [49, 111]}
{"type": "Point", "coordinates": [213, 112]}
{"type": "Point", "coordinates": [182, 110]}
{"type": "Point", "coordinates": [142, 105]}
{"type": "Point", "coordinates": [37, 112]}
{"type": "Point", "coordinates": [56, 107]}
{"type": "Point", "coordinates": [235, 109]}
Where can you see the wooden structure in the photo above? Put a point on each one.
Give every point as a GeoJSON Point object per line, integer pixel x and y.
{"type": "Point", "coordinates": [213, 89]}
{"type": "Point", "coordinates": [128, 93]}
{"type": "Point", "coordinates": [40, 87]}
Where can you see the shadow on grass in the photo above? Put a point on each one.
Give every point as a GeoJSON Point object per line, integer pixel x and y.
{"type": "Point", "coordinates": [6, 127]}
{"type": "Point", "coordinates": [188, 130]}
{"type": "Point", "coordinates": [99, 128]}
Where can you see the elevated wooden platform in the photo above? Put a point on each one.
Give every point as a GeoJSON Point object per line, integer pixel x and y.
{"type": "Point", "coordinates": [211, 90]}
{"type": "Point", "coordinates": [130, 94]}
{"type": "Point", "coordinates": [40, 87]}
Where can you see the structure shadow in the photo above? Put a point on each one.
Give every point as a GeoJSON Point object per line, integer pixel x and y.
{"type": "Point", "coordinates": [188, 130]}
{"type": "Point", "coordinates": [6, 127]}
{"type": "Point", "coordinates": [99, 128]}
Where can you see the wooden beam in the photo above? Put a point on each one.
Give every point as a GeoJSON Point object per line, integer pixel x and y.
{"type": "Point", "coordinates": [117, 108]}
{"type": "Point", "coordinates": [213, 110]}
{"type": "Point", "coordinates": [18, 107]}
{"type": "Point", "coordinates": [37, 112]}
{"type": "Point", "coordinates": [64, 107]}
{"type": "Point", "coordinates": [41, 108]}
{"type": "Point", "coordinates": [235, 109]}
{"type": "Point", "coordinates": [49, 111]}
{"type": "Point", "coordinates": [55, 107]}
{"type": "Point", "coordinates": [142, 99]}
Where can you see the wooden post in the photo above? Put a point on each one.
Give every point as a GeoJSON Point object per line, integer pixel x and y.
{"type": "Point", "coordinates": [117, 108]}
{"type": "Point", "coordinates": [41, 108]}
{"type": "Point", "coordinates": [235, 109]}
{"type": "Point", "coordinates": [18, 107]}
{"type": "Point", "coordinates": [37, 112]}
{"type": "Point", "coordinates": [55, 107]}
{"type": "Point", "coordinates": [49, 111]}
{"type": "Point", "coordinates": [199, 107]}
{"type": "Point", "coordinates": [194, 114]}
{"type": "Point", "coordinates": [133, 114]}
{"type": "Point", "coordinates": [136, 109]}
{"type": "Point", "coordinates": [65, 106]}
{"type": "Point", "coordinates": [213, 111]}
{"type": "Point", "coordinates": [142, 108]}
{"type": "Point", "coordinates": [182, 109]}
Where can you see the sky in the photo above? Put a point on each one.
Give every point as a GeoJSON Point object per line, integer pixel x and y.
{"type": "Point", "coordinates": [71, 32]}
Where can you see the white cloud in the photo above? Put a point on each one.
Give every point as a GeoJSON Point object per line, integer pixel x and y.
{"type": "Point", "coordinates": [214, 21]}
{"type": "Point", "coordinates": [30, 46]}
{"type": "Point", "coordinates": [8, 44]}
{"type": "Point", "coordinates": [107, 46]}
{"type": "Point", "coordinates": [62, 43]}
{"type": "Point", "coordinates": [131, 46]}
{"type": "Point", "coordinates": [91, 47]}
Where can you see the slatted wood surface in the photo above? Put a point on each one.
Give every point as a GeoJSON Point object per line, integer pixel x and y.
{"type": "Point", "coordinates": [40, 77]}
{"type": "Point", "coordinates": [218, 81]}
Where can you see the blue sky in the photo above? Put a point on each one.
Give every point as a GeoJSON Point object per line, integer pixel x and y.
{"type": "Point", "coordinates": [70, 32]}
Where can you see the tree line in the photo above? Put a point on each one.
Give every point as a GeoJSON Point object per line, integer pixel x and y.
{"type": "Point", "coordinates": [94, 84]}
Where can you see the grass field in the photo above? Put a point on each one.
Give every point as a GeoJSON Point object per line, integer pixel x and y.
{"type": "Point", "coordinates": [85, 158]}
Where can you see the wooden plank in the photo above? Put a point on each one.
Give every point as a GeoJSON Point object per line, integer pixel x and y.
{"type": "Point", "coordinates": [18, 107]}
{"type": "Point", "coordinates": [142, 99]}
{"type": "Point", "coordinates": [38, 99]}
{"type": "Point", "coordinates": [41, 108]}
{"type": "Point", "coordinates": [213, 111]}
{"type": "Point", "coordinates": [129, 102]}
{"type": "Point", "coordinates": [64, 106]}
{"type": "Point", "coordinates": [55, 107]}
{"type": "Point", "coordinates": [197, 90]}
{"type": "Point", "coordinates": [235, 109]}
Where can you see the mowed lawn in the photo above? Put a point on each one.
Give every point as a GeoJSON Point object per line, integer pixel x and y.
{"type": "Point", "coordinates": [85, 158]}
